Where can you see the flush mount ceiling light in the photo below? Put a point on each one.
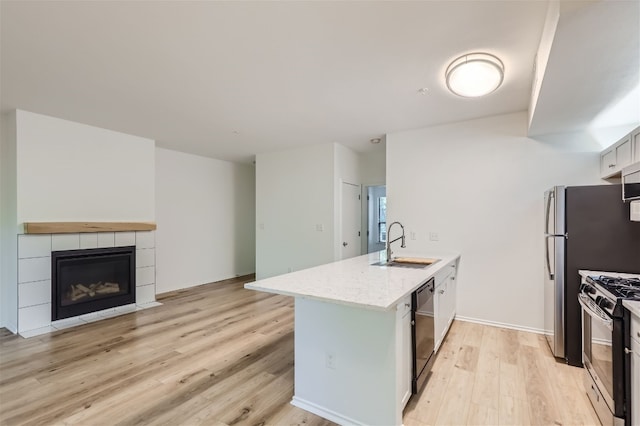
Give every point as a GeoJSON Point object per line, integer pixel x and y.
{"type": "Point", "coordinates": [474, 74]}
{"type": "Point", "coordinates": [375, 141]}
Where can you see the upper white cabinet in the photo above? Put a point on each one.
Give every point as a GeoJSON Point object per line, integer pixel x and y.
{"type": "Point", "coordinates": [635, 144]}
{"type": "Point", "coordinates": [616, 157]}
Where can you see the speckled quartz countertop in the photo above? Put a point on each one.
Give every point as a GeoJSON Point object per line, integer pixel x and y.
{"type": "Point", "coordinates": [632, 305]}
{"type": "Point", "coordinates": [355, 281]}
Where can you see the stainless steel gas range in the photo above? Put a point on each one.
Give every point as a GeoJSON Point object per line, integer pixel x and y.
{"type": "Point", "coordinates": [605, 342]}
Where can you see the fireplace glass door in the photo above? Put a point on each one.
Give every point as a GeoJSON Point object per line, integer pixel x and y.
{"type": "Point", "coordinates": [91, 280]}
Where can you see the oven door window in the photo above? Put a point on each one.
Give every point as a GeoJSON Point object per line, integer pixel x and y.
{"type": "Point", "coordinates": [599, 352]}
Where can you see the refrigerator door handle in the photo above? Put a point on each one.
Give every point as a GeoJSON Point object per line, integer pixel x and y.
{"type": "Point", "coordinates": [548, 260]}
{"type": "Point", "coordinates": [548, 212]}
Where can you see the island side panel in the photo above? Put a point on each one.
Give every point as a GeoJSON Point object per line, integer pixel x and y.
{"type": "Point", "coordinates": [346, 363]}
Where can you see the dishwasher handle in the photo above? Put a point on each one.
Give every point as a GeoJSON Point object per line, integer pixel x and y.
{"type": "Point", "coordinates": [422, 295]}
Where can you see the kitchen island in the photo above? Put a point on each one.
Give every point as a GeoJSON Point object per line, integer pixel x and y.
{"type": "Point", "coordinates": [353, 335]}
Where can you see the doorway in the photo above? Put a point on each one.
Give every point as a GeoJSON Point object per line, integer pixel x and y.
{"type": "Point", "coordinates": [350, 220]}
{"type": "Point", "coordinates": [376, 218]}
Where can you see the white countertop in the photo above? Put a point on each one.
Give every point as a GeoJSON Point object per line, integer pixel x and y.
{"type": "Point", "coordinates": [632, 305]}
{"type": "Point", "coordinates": [355, 281]}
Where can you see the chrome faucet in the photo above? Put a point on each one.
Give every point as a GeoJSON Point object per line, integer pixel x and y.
{"type": "Point", "coordinates": [389, 241]}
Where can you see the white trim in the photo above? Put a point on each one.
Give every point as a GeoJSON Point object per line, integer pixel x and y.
{"type": "Point", "coordinates": [12, 327]}
{"type": "Point", "coordinates": [501, 324]}
{"type": "Point", "coordinates": [323, 412]}
{"type": "Point", "coordinates": [602, 342]}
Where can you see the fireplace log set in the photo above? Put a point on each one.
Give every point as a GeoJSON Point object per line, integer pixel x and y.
{"type": "Point", "coordinates": [80, 291]}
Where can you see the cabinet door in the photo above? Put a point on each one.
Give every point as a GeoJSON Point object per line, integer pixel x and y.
{"type": "Point", "coordinates": [635, 382]}
{"type": "Point", "coordinates": [607, 163]}
{"type": "Point", "coordinates": [635, 144]}
{"type": "Point", "coordinates": [623, 153]}
{"type": "Point", "coordinates": [451, 298]}
{"type": "Point", "coordinates": [441, 311]}
{"type": "Point", "coordinates": [407, 359]}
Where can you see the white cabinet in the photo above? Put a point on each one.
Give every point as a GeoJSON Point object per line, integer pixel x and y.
{"type": "Point", "coordinates": [635, 144]}
{"type": "Point", "coordinates": [635, 370]}
{"type": "Point", "coordinates": [404, 351]}
{"type": "Point", "coordinates": [407, 359]}
{"type": "Point", "coordinates": [616, 157]}
{"type": "Point", "coordinates": [444, 305]}
{"type": "Point", "coordinates": [444, 302]}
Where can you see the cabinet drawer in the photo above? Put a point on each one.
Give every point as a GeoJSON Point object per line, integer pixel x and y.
{"type": "Point", "coordinates": [635, 328]}
{"type": "Point", "coordinates": [443, 275]}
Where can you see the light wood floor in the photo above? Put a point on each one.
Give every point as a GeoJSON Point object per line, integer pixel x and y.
{"type": "Point", "coordinates": [222, 355]}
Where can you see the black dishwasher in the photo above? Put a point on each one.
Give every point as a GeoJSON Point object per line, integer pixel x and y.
{"type": "Point", "coordinates": [423, 332]}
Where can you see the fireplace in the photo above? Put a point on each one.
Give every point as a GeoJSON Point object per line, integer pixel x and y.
{"type": "Point", "coordinates": [90, 280]}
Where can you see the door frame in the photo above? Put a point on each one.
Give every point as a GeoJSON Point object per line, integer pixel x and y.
{"type": "Point", "coordinates": [338, 219]}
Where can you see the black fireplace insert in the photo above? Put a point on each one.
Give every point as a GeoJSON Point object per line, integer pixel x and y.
{"type": "Point", "coordinates": [91, 280]}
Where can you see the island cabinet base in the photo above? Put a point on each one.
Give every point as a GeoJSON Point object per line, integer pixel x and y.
{"type": "Point", "coordinates": [347, 363]}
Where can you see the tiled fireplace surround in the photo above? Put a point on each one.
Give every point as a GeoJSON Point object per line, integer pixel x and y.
{"type": "Point", "coordinates": [34, 276]}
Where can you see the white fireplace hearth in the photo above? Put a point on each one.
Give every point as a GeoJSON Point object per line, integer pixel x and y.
{"type": "Point", "coordinates": [34, 276]}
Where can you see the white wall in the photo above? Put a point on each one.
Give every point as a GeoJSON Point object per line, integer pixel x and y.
{"type": "Point", "coordinates": [2, 203]}
{"type": "Point", "coordinates": [347, 164]}
{"type": "Point", "coordinates": [58, 170]}
{"type": "Point", "coordinates": [479, 184]}
{"type": "Point", "coordinates": [373, 167]}
{"type": "Point", "coordinates": [205, 210]}
{"type": "Point", "coordinates": [8, 225]}
{"type": "Point", "coordinates": [69, 171]}
{"type": "Point", "coordinates": [294, 199]}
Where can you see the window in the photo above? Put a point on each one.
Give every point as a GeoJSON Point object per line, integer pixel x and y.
{"type": "Point", "coordinates": [382, 219]}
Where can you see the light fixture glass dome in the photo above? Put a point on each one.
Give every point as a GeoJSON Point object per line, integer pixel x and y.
{"type": "Point", "coordinates": [474, 74]}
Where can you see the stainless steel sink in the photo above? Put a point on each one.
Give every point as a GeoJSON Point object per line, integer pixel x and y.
{"type": "Point", "coordinates": [412, 263]}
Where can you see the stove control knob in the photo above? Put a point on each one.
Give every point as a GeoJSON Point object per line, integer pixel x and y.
{"type": "Point", "coordinates": [588, 288]}
{"type": "Point", "coordinates": [605, 303]}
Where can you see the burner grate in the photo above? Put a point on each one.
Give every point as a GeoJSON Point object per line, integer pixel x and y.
{"type": "Point", "coordinates": [619, 282]}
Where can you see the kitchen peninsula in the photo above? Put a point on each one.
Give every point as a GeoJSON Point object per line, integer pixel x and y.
{"type": "Point", "coordinates": [353, 356]}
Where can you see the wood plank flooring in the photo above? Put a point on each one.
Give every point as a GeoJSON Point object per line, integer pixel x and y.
{"type": "Point", "coordinates": [221, 355]}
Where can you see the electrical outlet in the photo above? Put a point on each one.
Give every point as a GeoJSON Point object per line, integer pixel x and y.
{"type": "Point", "coordinates": [319, 227]}
{"type": "Point", "coordinates": [289, 269]}
{"type": "Point", "coordinates": [412, 235]}
{"type": "Point", "coordinates": [433, 236]}
{"type": "Point", "coordinates": [261, 225]}
{"type": "Point", "coordinates": [330, 360]}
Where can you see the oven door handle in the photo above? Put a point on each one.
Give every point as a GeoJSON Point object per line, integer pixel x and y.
{"type": "Point", "coordinates": [595, 311]}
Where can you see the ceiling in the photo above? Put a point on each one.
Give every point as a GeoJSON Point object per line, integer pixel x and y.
{"type": "Point", "coordinates": [592, 76]}
{"type": "Point", "coordinates": [229, 80]}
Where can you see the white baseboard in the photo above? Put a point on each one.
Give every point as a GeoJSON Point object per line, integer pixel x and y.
{"type": "Point", "coordinates": [501, 324]}
{"type": "Point", "coordinates": [323, 412]}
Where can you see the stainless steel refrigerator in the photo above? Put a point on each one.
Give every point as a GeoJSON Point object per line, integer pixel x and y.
{"type": "Point", "coordinates": [586, 227]}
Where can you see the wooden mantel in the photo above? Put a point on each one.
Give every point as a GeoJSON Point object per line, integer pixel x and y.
{"type": "Point", "coordinates": [77, 227]}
